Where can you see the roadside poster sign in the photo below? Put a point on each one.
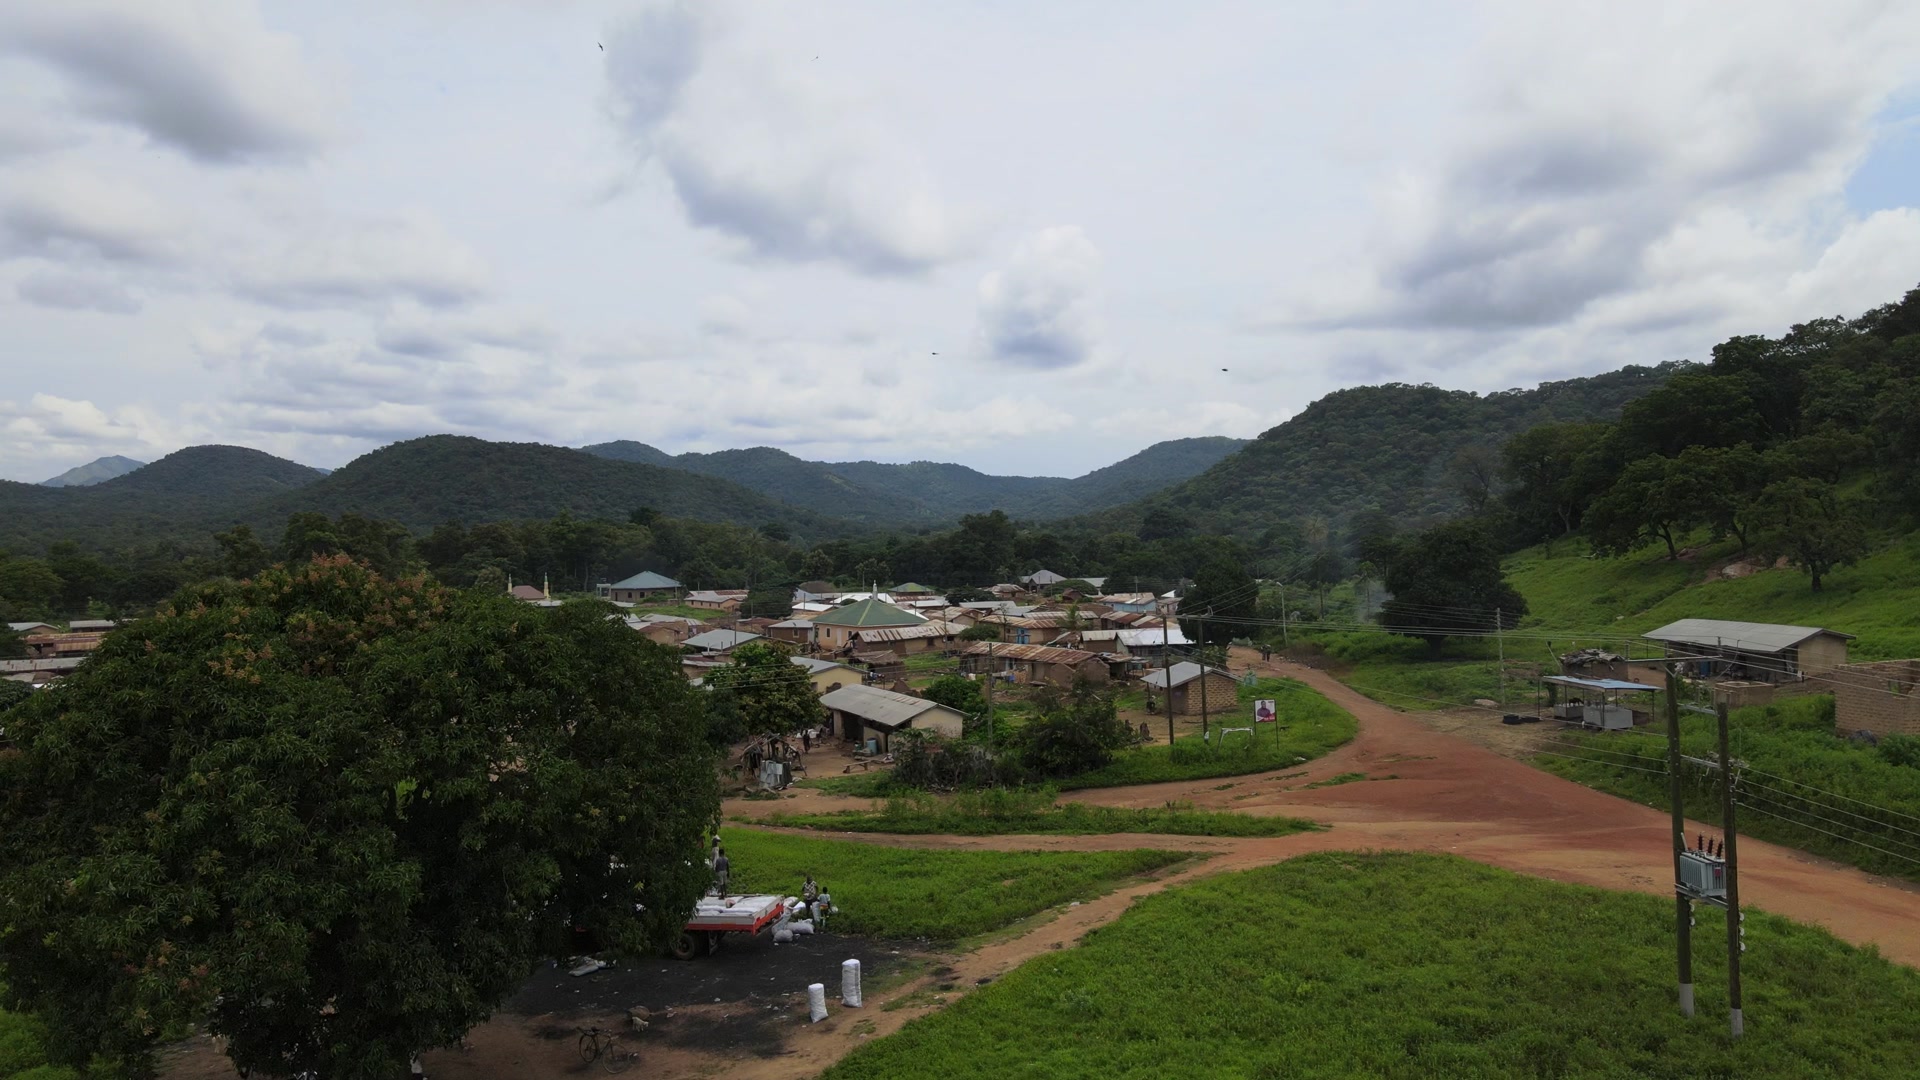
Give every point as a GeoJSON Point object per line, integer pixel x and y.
{"type": "Point", "coordinates": [1264, 712]}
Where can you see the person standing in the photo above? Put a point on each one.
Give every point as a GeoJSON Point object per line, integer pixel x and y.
{"type": "Point", "coordinates": [722, 870]}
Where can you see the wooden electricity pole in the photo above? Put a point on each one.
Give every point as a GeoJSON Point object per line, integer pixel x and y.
{"type": "Point", "coordinates": [1736, 1022]}
{"type": "Point", "coordinates": [1683, 907]}
{"type": "Point", "coordinates": [1166, 672]}
{"type": "Point", "coordinates": [1201, 682]}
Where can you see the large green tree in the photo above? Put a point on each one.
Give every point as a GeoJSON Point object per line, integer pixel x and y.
{"type": "Point", "coordinates": [1224, 593]}
{"type": "Point", "coordinates": [1447, 580]}
{"type": "Point", "coordinates": [1812, 524]}
{"type": "Point", "coordinates": [1655, 498]}
{"type": "Point", "coordinates": [336, 818]}
{"type": "Point", "coordinates": [771, 694]}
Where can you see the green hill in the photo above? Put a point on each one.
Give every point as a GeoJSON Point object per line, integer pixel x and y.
{"type": "Point", "coordinates": [423, 482]}
{"type": "Point", "coordinates": [186, 493]}
{"type": "Point", "coordinates": [1374, 446]}
{"type": "Point", "coordinates": [93, 472]}
{"type": "Point", "coordinates": [928, 492]}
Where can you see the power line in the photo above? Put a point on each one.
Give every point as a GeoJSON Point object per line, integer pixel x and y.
{"type": "Point", "coordinates": [1848, 839]}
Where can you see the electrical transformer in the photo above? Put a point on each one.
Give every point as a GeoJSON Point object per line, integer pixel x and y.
{"type": "Point", "coordinates": [1702, 874]}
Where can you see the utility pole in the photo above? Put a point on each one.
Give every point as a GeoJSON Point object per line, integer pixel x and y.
{"type": "Point", "coordinates": [1201, 682]}
{"type": "Point", "coordinates": [1735, 931]}
{"type": "Point", "coordinates": [1284, 643]}
{"type": "Point", "coordinates": [1683, 907]}
{"type": "Point", "coordinates": [1499, 636]}
{"type": "Point", "coordinates": [1166, 671]}
{"type": "Point", "coordinates": [989, 692]}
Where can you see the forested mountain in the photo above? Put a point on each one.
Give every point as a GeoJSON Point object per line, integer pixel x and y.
{"type": "Point", "coordinates": [105, 468]}
{"type": "Point", "coordinates": [423, 482]}
{"type": "Point", "coordinates": [185, 493]}
{"type": "Point", "coordinates": [783, 476]}
{"type": "Point", "coordinates": [1398, 448]}
{"type": "Point", "coordinates": [927, 492]}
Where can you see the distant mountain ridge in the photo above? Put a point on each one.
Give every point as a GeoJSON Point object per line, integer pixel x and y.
{"type": "Point", "coordinates": [930, 492]}
{"type": "Point", "coordinates": [93, 472]}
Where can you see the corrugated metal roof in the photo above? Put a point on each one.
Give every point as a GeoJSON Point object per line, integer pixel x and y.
{"type": "Point", "coordinates": [646, 579]}
{"type": "Point", "coordinates": [709, 596]}
{"type": "Point", "coordinates": [1042, 654]}
{"type": "Point", "coordinates": [717, 640]}
{"type": "Point", "coordinates": [874, 613]}
{"type": "Point", "coordinates": [912, 588]}
{"type": "Point", "coordinates": [25, 627]}
{"type": "Point", "coordinates": [51, 663]}
{"type": "Point", "coordinates": [883, 708]}
{"type": "Point", "coordinates": [815, 665]}
{"type": "Point", "coordinates": [1153, 635]}
{"type": "Point", "coordinates": [92, 624]}
{"type": "Point", "coordinates": [1750, 637]}
{"type": "Point", "coordinates": [1598, 684]}
{"type": "Point", "coordinates": [1184, 672]}
{"type": "Point", "coordinates": [1042, 577]}
{"type": "Point", "coordinates": [909, 633]}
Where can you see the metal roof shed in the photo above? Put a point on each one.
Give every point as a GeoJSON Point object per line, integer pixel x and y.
{"type": "Point", "coordinates": [1607, 714]}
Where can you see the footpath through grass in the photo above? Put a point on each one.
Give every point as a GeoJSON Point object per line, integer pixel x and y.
{"type": "Point", "coordinates": [1410, 967]}
{"type": "Point", "coordinates": [1805, 787]}
{"type": "Point", "coordinates": [943, 895]}
{"type": "Point", "coordinates": [996, 813]}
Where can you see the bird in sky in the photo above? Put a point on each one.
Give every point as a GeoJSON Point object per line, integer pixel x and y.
{"type": "Point", "coordinates": [603, 48]}
{"type": "Point", "coordinates": [1223, 369]}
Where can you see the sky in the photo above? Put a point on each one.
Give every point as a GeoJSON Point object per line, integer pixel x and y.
{"type": "Point", "coordinates": [1030, 238]}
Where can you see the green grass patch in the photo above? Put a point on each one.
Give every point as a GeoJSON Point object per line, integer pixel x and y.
{"type": "Point", "coordinates": [1407, 673]}
{"type": "Point", "coordinates": [1860, 808]}
{"type": "Point", "coordinates": [1310, 725]}
{"type": "Point", "coordinates": [1611, 598]}
{"type": "Point", "coordinates": [943, 895]}
{"type": "Point", "coordinates": [875, 784]}
{"type": "Point", "coordinates": [1336, 781]}
{"type": "Point", "coordinates": [1409, 967]}
{"type": "Point", "coordinates": [999, 812]}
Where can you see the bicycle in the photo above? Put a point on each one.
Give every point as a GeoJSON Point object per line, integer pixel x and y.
{"type": "Point", "coordinates": [599, 1044]}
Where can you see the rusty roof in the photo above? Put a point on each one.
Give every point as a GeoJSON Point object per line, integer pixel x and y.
{"type": "Point", "coordinates": [1039, 654]}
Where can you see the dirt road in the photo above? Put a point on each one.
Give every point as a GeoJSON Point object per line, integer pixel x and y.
{"type": "Point", "coordinates": [1447, 795]}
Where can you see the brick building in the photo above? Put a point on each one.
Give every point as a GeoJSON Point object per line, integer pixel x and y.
{"type": "Point", "coordinates": [1882, 697]}
{"type": "Point", "coordinates": [1219, 689]}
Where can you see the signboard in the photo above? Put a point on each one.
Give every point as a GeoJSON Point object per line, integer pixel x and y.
{"type": "Point", "coordinates": [1264, 712]}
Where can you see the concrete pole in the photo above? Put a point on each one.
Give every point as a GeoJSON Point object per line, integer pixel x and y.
{"type": "Point", "coordinates": [1683, 908]}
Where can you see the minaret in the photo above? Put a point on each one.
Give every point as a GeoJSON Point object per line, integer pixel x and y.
{"type": "Point", "coordinates": [546, 584]}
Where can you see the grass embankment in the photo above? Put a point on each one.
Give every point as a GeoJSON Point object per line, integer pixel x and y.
{"type": "Point", "coordinates": [1000, 812]}
{"type": "Point", "coordinates": [1805, 788]}
{"type": "Point", "coordinates": [1574, 600]}
{"type": "Point", "coordinates": [1309, 726]}
{"type": "Point", "coordinates": [1414, 966]}
{"type": "Point", "coordinates": [943, 895]}
{"type": "Point", "coordinates": [23, 1051]}
{"type": "Point", "coordinates": [1874, 599]}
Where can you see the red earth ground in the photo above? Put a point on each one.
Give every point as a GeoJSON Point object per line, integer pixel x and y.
{"type": "Point", "coordinates": [1449, 794]}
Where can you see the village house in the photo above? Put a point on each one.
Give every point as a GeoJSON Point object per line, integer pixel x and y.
{"type": "Point", "coordinates": [642, 588]}
{"type": "Point", "coordinates": [728, 600]}
{"type": "Point", "coordinates": [929, 636]}
{"type": "Point", "coordinates": [792, 631]}
{"type": "Point", "coordinates": [32, 627]}
{"type": "Point", "coordinates": [1754, 652]}
{"type": "Point", "coordinates": [1034, 664]}
{"type": "Point", "coordinates": [863, 714]}
{"type": "Point", "coordinates": [813, 591]}
{"type": "Point", "coordinates": [912, 590]}
{"type": "Point", "coordinates": [665, 629]}
{"type": "Point", "coordinates": [38, 672]}
{"type": "Point", "coordinates": [92, 626]}
{"type": "Point", "coordinates": [56, 645]}
{"type": "Point", "coordinates": [1218, 689]}
{"type": "Point", "coordinates": [833, 630]}
{"type": "Point", "coordinates": [1035, 628]}
{"type": "Point", "coordinates": [826, 676]}
{"type": "Point", "coordinates": [718, 643]}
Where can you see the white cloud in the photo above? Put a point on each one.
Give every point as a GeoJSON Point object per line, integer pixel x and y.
{"type": "Point", "coordinates": [66, 212]}
{"type": "Point", "coordinates": [77, 293]}
{"type": "Point", "coordinates": [775, 157]}
{"type": "Point", "coordinates": [1038, 311]}
{"type": "Point", "coordinates": [208, 78]}
{"type": "Point", "coordinates": [373, 262]}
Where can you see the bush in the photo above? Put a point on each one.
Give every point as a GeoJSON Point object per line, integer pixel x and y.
{"type": "Point", "coordinates": [1075, 733]}
{"type": "Point", "coordinates": [1901, 750]}
{"type": "Point", "coordinates": [930, 762]}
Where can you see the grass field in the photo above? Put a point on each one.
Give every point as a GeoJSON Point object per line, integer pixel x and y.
{"type": "Point", "coordinates": [1411, 967]}
{"type": "Point", "coordinates": [1001, 812]}
{"type": "Point", "coordinates": [1406, 673]}
{"type": "Point", "coordinates": [1310, 725]}
{"type": "Point", "coordinates": [943, 895]}
{"type": "Point", "coordinates": [1788, 746]}
{"type": "Point", "coordinates": [1571, 593]}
